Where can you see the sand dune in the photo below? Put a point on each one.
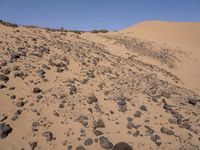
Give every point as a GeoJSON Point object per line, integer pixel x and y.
{"type": "Point", "coordinates": [136, 89]}
{"type": "Point", "coordinates": [181, 35]}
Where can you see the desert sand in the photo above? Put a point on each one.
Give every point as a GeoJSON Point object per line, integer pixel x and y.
{"type": "Point", "coordinates": [138, 88]}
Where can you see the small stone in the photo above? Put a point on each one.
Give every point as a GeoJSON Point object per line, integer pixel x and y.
{"type": "Point", "coordinates": [137, 114]}
{"type": "Point", "coordinates": [61, 106]}
{"type": "Point", "coordinates": [82, 119]}
{"type": "Point", "coordinates": [88, 141]}
{"type": "Point", "coordinates": [12, 97]}
{"type": "Point", "coordinates": [2, 86]}
{"type": "Point", "coordinates": [92, 99]}
{"type": "Point", "coordinates": [192, 101]}
{"type": "Point", "coordinates": [99, 123]}
{"type": "Point", "coordinates": [122, 146]}
{"type": "Point", "coordinates": [36, 90]}
{"type": "Point", "coordinates": [166, 131]}
{"type": "Point", "coordinates": [3, 117]}
{"type": "Point", "coordinates": [15, 56]}
{"type": "Point", "coordinates": [33, 145]}
{"type": "Point", "coordinates": [48, 135]}
{"type": "Point", "coordinates": [143, 108]}
{"type": "Point", "coordinates": [149, 130]}
{"type": "Point", "coordinates": [72, 90]}
{"type": "Point", "coordinates": [4, 78]}
{"type": "Point", "coordinates": [5, 129]}
{"type": "Point", "coordinates": [80, 148]}
{"type": "Point", "coordinates": [136, 133]}
{"type": "Point", "coordinates": [59, 70]}
{"type": "Point", "coordinates": [97, 132]}
{"type": "Point", "coordinates": [40, 72]}
{"type": "Point", "coordinates": [20, 104]}
{"type": "Point", "coordinates": [105, 143]}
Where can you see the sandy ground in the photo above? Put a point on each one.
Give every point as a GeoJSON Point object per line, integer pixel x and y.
{"type": "Point", "coordinates": [62, 90]}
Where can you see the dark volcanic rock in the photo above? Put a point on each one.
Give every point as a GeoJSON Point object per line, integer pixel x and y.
{"type": "Point", "coordinates": [82, 119]}
{"type": "Point", "coordinates": [122, 146]}
{"type": "Point", "coordinates": [166, 131]}
{"type": "Point", "coordinates": [99, 124]}
{"type": "Point", "coordinates": [2, 86]}
{"type": "Point", "coordinates": [192, 101]}
{"type": "Point", "coordinates": [40, 72]}
{"type": "Point", "coordinates": [48, 135]}
{"type": "Point", "coordinates": [80, 148]}
{"type": "Point", "coordinates": [33, 145]}
{"type": "Point", "coordinates": [143, 108]}
{"type": "Point", "coordinates": [105, 143]}
{"type": "Point", "coordinates": [36, 90]}
{"type": "Point", "coordinates": [5, 129]}
{"type": "Point", "coordinates": [122, 105]}
{"type": "Point", "coordinates": [137, 114]}
{"type": "Point", "coordinates": [15, 56]}
{"type": "Point", "coordinates": [91, 99]}
{"type": "Point", "coordinates": [97, 132]}
{"type": "Point", "coordinates": [88, 141]}
{"type": "Point", "coordinates": [72, 90]}
{"type": "Point", "coordinates": [4, 78]}
{"type": "Point", "coordinates": [20, 104]}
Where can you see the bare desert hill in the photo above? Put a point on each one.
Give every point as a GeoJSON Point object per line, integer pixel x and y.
{"type": "Point", "coordinates": [184, 35]}
{"type": "Point", "coordinates": [138, 88]}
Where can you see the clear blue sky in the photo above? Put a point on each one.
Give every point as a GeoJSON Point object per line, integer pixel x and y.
{"type": "Point", "coordinates": [97, 14]}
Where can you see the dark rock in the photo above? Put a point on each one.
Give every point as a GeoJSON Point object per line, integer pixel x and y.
{"type": "Point", "coordinates": [48, 135]}
{"type": "Point", "coordinates": [35, 126]}
{"type": "Point", "coordinates": [61, 106]}
{"type": "Point", "coordinates": [15, 56]}
{"type": "Point", "coordinates": [19, 74]}
{"type": "Point", "coordinates": [40, 72]}
{"type": "Point", "coordinates": [82, 119]}
{"type": "Point", "coordinates": [3, 117]}
{"type": "Point", "coordinates": [33, 145]}
{"type": "Point", "coordinates": [45, 66]}
{"type": "Point", "coordinates": [36, 90]}
{"type": "Point", "coordinates": [99, 124]}
{"type": "Point", "coordinates": [122, 146]}
{"type": "Point", "coordinates": [59, 70]}
{"type": "Point", "coordinates": [143, 108]}
{"type": "Point", "coordinates": [137, 114]}
{"type": "Point", "coordinates": [61, 64]}
{"type": "Point", "coordinates": [155, 138]}
{"type": "Point", "coordinates": [72, 90]}
{"type": "Point", "coordinates": [80, 148]}
{"type": "Point", "coordinates": [20, 104]}
{"type": "Point", "coordinates": [97, 132]}
{"type": "Point", "coordinates": [2, 86]}
{"type": "Point", "coordinates": [136, 133]}
{"type": "Point", "coordinates": [92, 99]}
{"type": "Point", "coordinates": [105, 143]}
{"type": "Point", "coordinates": [69, 147]}
{"type": "Point", "coordinates": [166, 131]}
{"type": "Point", "coordinates": [4, 78]}
{"type": "Point", "coordinates": [149, 130]}
{"type": "Point", "coordinates": [6, 71]}
{"type": "Point", "coordinates": [88, 141]}
{"type": "Point", "coordinates": [5, 129]}
{"type": "Point", "coordinates": [192, 101]}
{"type": "Point", "coordinates": [12, 97]}
{"type": "Point", "coordinates": [130, 125]}
{"type": "Point", "coordinates": [122, 105]}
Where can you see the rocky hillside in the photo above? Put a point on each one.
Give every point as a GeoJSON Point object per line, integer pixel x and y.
{"type": "Point", "coordinates": [68, 90]}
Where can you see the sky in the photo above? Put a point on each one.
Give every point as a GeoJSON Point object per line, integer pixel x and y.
{"type": "Point", "coordinates": [97, 14]}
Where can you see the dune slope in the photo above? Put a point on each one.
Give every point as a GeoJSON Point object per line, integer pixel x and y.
{"type": "Point", "coordinates": [64, 90]}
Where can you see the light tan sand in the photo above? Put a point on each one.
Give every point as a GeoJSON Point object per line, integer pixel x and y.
{"type": "Point", "coordinates": [154, 64]}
